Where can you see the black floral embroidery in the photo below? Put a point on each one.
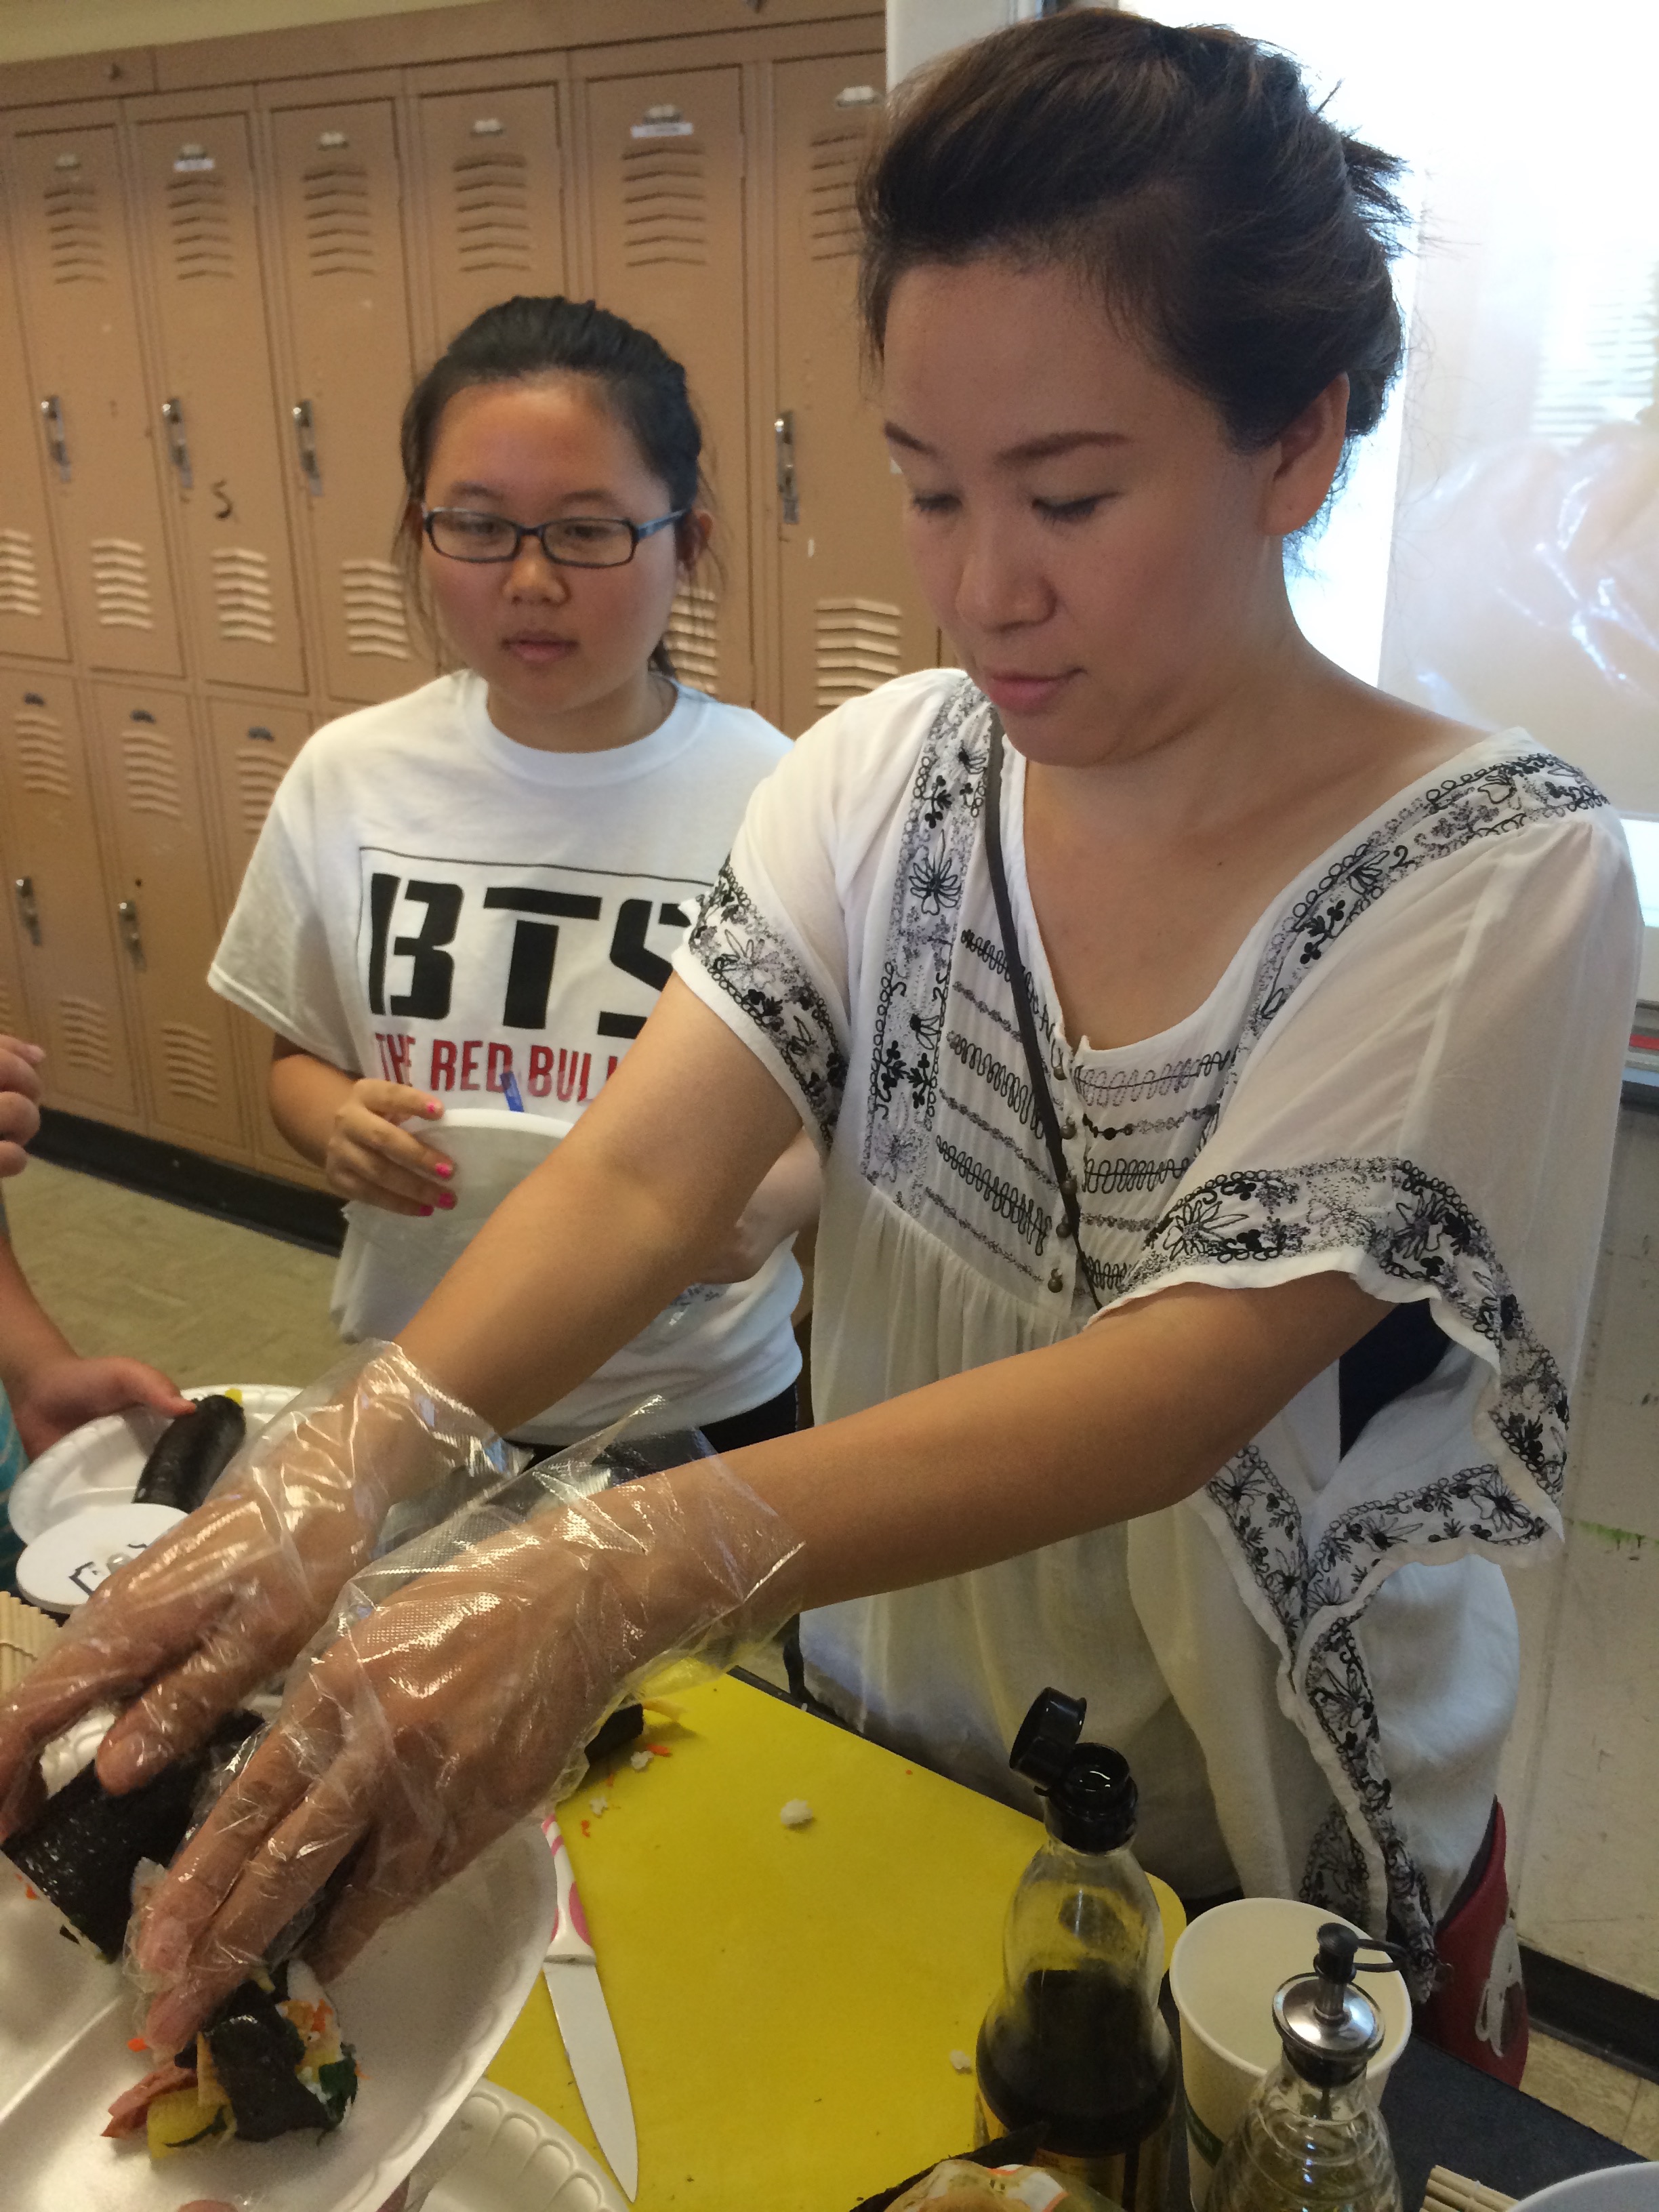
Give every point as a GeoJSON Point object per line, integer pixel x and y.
{"type": "Point", "coordinates": [1334, 1877]}
{"type": "Point", "coordinates": [758, 970]}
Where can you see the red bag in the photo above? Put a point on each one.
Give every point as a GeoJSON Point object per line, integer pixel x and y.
{"type": "Point", "coordinates": [1479, 2010]}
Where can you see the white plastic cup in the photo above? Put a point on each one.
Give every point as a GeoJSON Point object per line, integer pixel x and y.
{"type": "Point", "coordinates": [1222, 1976]}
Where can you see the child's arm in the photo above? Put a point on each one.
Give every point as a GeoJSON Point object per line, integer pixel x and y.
{"type": "Point", "coordinates": [51, 1388]}
{"type": "Point", "coordinates": [349, 1126]}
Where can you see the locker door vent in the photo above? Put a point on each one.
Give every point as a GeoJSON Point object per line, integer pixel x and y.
{"type": "Point", "coordinates": [152, 774]}
{"type": "Point", "coordinates": [120, 584]}
{"type": "Point", "coordinates": [492, 212]}
{"type": "Point", "coordinates": [692, 639]}
{"type": "Point", "coordinates": [188, 1064]}
{"type": "Point", "coordinates": [241, 596]}
{"type": "Point", "coordinates": [11, 1018]}
{"type": "Point", "coordinates": [42, 763]}
{"type": "Point", "coordinates": [199, 226]}
{"type": "Point", "coordinates": [258, 775]}
{"type": "Point", "coordinates": [857, 646]}
{"type": "Point", "coordinates": [338, 220]}
{"type": "Point", "coordinates": [376, 623]}
{"type": "Point", "coordinates": [76, 251]}
{"type": "Point", "coordinates": [664, 206]}
{"type": "Point", "coordinates": [832, 220]}
{"type": "Point", "coordinates": [84, 1026]}
{"type": "Point", "coordinates": [19, 578]}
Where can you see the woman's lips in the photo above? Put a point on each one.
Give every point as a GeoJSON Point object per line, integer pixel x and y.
{"type": "Point", "coordinates": [1016, 694]}
{"type": "Point", "coordinates": [539, 652]}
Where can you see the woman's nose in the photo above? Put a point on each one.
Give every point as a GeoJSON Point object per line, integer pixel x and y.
{"type": "Point", "coordinates": [998, 586]}
{"type": "Point", "coordinates": [530, 575]}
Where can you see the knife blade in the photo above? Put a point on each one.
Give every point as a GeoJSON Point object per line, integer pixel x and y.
{"type": "Point", "coordinates": [571, 1971]}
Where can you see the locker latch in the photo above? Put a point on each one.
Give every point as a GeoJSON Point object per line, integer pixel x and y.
{"type": "Point", "coordinates": [128, 914]}
{"type": "Point", "coordinates": [52, 414]}
{"type": "Point", "coordinates": [305, 438]}
{"type": "Point", "coordinates": [27, 912]}
{"type": "Point", "coordinates": [172, 414]}
{"type": "Point", "coordinates": [783, 437]}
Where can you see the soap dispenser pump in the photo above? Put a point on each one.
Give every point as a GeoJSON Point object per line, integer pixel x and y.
{"type": "Point", "coordinates": [1074, 2055]}
{"type": "Point", "coordinates": [1312, 2139]}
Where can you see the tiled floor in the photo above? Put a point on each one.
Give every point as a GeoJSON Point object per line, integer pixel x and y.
{"type": "Point", "coordinates": [209, 1302]}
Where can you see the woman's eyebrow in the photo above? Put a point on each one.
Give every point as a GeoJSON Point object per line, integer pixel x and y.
{"type": "Point", "coordinates": [590, 498]}
{"type": "Point", "coordinates": [1046, 448]}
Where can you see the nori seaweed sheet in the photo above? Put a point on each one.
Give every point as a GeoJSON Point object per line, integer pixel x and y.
{"type": "Point", "coordinates": [256, 2051]}
{"type": "Point", "coordinates": [191, 1454]}
{"type": "Point", "coordinates": [83, 1851]}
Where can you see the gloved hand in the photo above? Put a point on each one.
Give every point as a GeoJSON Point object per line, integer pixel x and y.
{"type": "Point", "coordinates": [440, 1715]}
{"type": "Point", "coordinates": [228, 1597]}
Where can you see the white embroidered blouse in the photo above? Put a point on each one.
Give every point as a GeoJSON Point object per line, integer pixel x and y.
{"type": "Point", "coordinates": [1409, 1072]}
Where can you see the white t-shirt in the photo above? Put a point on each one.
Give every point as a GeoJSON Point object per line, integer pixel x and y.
{"type": "Point", "coordinates": [431, 902]}
{"type": "Point", "coordinates": [1409, 1073]}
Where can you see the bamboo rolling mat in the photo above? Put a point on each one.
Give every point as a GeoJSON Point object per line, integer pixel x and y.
{"type": "Point", "coordinates": [1454, 2192]}
{"type": "Point", "coordinates": [25, 1635]}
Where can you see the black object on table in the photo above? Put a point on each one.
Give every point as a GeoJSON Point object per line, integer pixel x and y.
{"type": "Point", "coordinates": [1442, 2112]}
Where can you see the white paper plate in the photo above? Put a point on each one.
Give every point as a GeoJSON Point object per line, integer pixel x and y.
{"type": "Point", "coordinates": [1608, 2189]}
{"type": "Point", "coordinates": [99, 1464]}
{"type": "Point", "coordinates": [426, 2008]}
{"type": "Point", "coordinates": [517, 2159]}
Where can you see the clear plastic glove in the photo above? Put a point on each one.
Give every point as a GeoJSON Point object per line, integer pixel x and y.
{"type": "Point", "coordinates": [373, 1158]}
{"type": "Point", "coordinates": [228, 1597]}
{"type": "Point", "coordinates": [455, 1698]}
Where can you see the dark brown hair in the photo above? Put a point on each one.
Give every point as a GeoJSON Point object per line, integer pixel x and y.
{"type": "Point", "coordinates": [524, 339]}
{"type": "Point", "coordinates": [1183, 173]}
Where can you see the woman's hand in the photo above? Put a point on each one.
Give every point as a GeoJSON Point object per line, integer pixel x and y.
{"type": "Point", "coordinates": [368, 1157]}
{"type": "Point", "coordinates": [20, 1093]}
{"type": "Point", "coordinates": [60, 1394]}
{"type": "Point", "coordinates": [229, 1596]}
{"type": "Point", "coordinates": [439, 1718]}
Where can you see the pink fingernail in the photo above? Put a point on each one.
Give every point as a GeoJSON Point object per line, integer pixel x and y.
{"type": "Point", "coordinates": [446, 1199]}
{"type": "Point", "coordinates": [443, 1167]}
{"type": "Point", "coordinates": [425, 1210]}
{"type": "Point", "coordinates": [432, 1108]}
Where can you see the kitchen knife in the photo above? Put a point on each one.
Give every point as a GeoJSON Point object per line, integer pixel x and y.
{"type": "Point", "coordinates": [571, 1971]}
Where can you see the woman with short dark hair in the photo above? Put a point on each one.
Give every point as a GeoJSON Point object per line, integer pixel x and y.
{"type": "Point", "coordinates": [1215, 1062]}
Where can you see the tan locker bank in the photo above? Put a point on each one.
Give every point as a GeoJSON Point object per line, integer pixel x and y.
{"type": "Point", "coordinates": [494, 198]}
{"type": "Point", "coordinates": [75, 265]}
{"type": "Point", "coordinates": [31, 605]}
{"type": "Point", "coordinates": [217, 406]}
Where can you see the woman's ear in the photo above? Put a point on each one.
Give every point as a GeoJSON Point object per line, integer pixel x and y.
{"type": "Point", "coordinates": [1309, 454]}
{"type": "Point", "coordinates": [691, 538]}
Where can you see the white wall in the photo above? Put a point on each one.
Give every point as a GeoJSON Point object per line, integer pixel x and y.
{"type": "Point", "coordinates": [919, 29]}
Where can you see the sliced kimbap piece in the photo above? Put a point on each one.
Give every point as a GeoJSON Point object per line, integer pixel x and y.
{"type": "Point", "coordinates": [191, 1454]}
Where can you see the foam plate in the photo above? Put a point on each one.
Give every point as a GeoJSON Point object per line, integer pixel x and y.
{"type": "Point", "coordinates": [425, 2006]}
{"type": "Point", "coordinates": [99, 1464]}
{"type": "Point", "coordinates": [517, 2159]}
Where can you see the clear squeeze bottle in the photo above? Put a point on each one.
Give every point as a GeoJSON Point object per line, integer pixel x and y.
{"type": "Point", "coordinates": [1312, 2139]}
{"type": "Point", "coordinates": [1073, 2056]}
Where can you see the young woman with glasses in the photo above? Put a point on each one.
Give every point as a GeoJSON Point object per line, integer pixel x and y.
{"type": "Point", "coordinates": [484, 880]}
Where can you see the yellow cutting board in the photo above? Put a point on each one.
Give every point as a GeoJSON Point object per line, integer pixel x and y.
{"type": "Point", "coordinates": [788, 2000]}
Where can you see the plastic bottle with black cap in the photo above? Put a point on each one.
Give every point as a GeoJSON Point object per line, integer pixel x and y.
{"type": "Point", "coordinates": [1074, 2054]}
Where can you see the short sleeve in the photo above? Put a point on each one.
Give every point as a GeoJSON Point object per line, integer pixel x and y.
{"type": "Point", "coordinates": [275, 960]}
{"type": "Point", "coordinates": [775, 947]}
{"type": "Point", "coordinates": [1428, 1104]}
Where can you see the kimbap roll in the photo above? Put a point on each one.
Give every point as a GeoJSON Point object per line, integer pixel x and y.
{"type": "Point", "coordinates": [191, 1454]}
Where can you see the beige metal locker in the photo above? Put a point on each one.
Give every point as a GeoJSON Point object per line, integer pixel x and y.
{"type": "Point", "coordinates": [166, 915]}
{"type": "Point", "coordinates": [338, 203]}
{"type": "Point", "coordinates": [666, 192]}
{"type": "Point", "coordinates": [217, 406]}
{"type": "Point", "coordinates": [75, 269]}
{"type": "Point", "coordinates": [63, 933]}
{"type": "Point", "coordinates": [31, 607]}
{"type": "Point", "coordinates": [494, 198]}
{"type": "Point", "coordinates": [15, 1018]}
{"type": "Point", "coordinates": [851, 616]}
{"type": "Point", "coordinates": [253, 745]}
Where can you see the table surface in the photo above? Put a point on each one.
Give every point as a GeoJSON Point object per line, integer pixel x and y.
{"type": "Point", "coordinates": [789, 2001]}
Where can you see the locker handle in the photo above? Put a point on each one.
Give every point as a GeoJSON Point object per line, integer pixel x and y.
{"type": "Point", "coordinates": [52, 414]}
{"type": "Point", "coordinates": [128, 914]}
{"type": "Point", "coordinates": [172, 414]}
{"type": "Point", "coordinates": [29, 912]}
{"type": "Point", "coordinates": [305, 437]}
{"type": "Point", "coordinates": [783, 439]}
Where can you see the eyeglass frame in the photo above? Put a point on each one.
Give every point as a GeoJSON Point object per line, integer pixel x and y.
{"type": "Point", "coordinates": [636, 530]}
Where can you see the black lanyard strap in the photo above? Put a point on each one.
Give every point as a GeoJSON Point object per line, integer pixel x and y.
{"type": "Point", "coordinates": [1042, 1096]}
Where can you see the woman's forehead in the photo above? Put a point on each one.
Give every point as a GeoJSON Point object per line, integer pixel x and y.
{"type": "Point", "coordinates": [545, 431]}
{"type": "Point", "coordinates": [1019, 363]}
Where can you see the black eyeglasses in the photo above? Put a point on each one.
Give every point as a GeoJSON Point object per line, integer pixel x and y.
{"type": "Point", "coordinates": [576, 541]}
